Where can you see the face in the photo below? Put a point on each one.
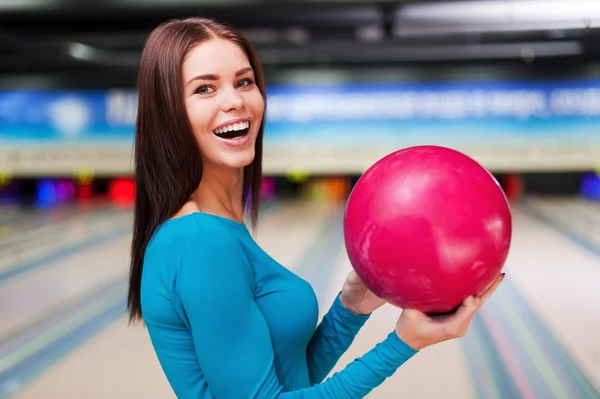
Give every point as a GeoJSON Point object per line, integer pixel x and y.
{"type": "Point", "coordinates": [223, 103]}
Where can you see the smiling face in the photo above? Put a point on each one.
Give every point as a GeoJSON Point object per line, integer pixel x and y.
{"type": "Point", "coordinates": [223, 103]}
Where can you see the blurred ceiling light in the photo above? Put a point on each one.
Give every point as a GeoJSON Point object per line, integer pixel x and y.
{"type": "Point", "coordinates": [180, 3]}
{"type": "Point", "coordinates": [18, 5]}
{"type": "Point", "coordinates": [87, 53]}
{"type": "Point", "coordinates": [560, 28]}
{"type": "Point", "coordinates": [353, 53]}
{"type": "Point", "coordinates": [83, 52]}
{"type": "Point", "coordinates": [297, 35]}
{"type": "Point", "coordinates": [502, 11]}
{"type": "Point", "coordinates": [261, 35]}
{"type": "Point", "coordinates": [370, 33]}
{"type": "Point", "coordinates": [528, 54]}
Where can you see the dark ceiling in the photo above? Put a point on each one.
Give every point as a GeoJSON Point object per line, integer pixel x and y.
{"type": "Point", "coordinates": [103, 38]}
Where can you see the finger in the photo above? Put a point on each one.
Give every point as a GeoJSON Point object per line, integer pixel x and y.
{"type": "Point", "coordinates": [353, 278]}
{"type": "Point", "coordinates": [491, 289]}
{"type": "Point", "coordinates": [457, 325]}
{"type": "Point", "coordinates": [415, 315]}
{"type": "Point", "coordinates": [467, 310]}
{"type": "Point", "coordinates": [462, 315]}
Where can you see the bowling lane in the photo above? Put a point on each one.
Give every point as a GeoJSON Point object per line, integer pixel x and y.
{"type": "Point", "coordinates": [21, 239]}
{"type": "Point", "coordinates": [504, 355]}
{"type": "Point", "coordinates": [118, 361]}
{"type": "Point", "coordinates": [45, 221]}
{"type": "Point", "coordinates": [20, 219]}
{"type": "Point", "coordinates": [31, 296]}
{"type": "Point", "coordinates": [10, 213]}
{"type": "Point", "coordinates": [24, 250]}
{"type": "Point", "coordinates": [437, 372]}
{"type": "Point", "coordinates": [16, 221]}
{"type": "Point", "coordinates": [555, 263]}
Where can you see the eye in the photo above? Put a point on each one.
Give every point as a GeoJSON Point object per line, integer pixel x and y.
{"type": "Point", "coordinates": [203, 90]}
{"type": "Point", "coordinates": [245, 82]}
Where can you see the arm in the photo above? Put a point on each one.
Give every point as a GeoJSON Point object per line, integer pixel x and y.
{"type": "Point", "coordinates": [232, 339]}
{"type": "Point", "coordinates": [333, 337]}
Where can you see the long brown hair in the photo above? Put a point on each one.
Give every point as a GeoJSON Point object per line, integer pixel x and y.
{"type": "Point", "coordinates": [167, 161]}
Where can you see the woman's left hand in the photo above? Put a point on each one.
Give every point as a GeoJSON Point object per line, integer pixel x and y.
{"type": "Point", "coordinates": [357, 298]}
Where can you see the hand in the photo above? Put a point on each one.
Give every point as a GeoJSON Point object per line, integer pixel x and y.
{"type": "Point", "coordinates": [418, 330]}
{"type": "Point", "coordinates": [357, 298]}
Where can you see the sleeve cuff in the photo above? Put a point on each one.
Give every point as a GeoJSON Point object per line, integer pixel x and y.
{"type": "Point", "coordinates": [345, 314]}
{"type": "Point", "coordinates": [400, 346]}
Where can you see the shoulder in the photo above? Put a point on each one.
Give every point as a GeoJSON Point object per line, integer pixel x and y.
{"type": "Point", "coordinates": [204, 249]}
{"type": "Point", "coordinates": [196, 239]}
{"type": "Point", "coordinates": [195, 262]}
{"type": "Point", "coordinates": [193, 233]}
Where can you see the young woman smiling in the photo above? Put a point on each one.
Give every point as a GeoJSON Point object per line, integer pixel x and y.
{"type": "Point", "coordinates": [225, 319]}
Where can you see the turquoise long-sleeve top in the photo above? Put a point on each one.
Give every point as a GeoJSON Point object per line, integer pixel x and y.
{"type": "Point", "coordinates": [228, 321]}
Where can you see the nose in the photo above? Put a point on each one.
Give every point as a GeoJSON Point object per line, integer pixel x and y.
{"type": "Point", "coordinates": [231, 101]}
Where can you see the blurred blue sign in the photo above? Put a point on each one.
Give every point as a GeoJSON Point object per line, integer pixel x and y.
{"type": "Point", "coordinates": [342, 114]}
{"type": "Point", "coordinates": [452, 113]}
{"type": "Point", "coordinates": [68, 115]}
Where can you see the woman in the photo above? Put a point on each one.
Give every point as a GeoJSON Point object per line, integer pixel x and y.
{"type": "Point", "coordinates": [225, 319]}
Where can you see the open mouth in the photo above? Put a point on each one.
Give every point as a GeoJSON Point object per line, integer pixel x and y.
{"type": "Point", "coordinates": [235, 131]}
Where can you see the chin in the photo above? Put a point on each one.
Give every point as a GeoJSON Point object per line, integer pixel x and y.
{"type": "Point", "coordinates": [239, 160]}
{"type": "Point", "coordinates": [231, 150]}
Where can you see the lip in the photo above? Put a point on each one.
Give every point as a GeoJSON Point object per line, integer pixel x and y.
{"type": "Point", "coordinates": [232, 121]}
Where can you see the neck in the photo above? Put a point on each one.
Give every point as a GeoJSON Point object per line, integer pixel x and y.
{"type": "Point", "coordinates": [220, 193]}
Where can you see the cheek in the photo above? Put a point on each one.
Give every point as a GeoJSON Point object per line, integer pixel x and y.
{"type": "Point", "coordinates": [255, 103]}
{"type": "Point", "coordinates": [200, 116]}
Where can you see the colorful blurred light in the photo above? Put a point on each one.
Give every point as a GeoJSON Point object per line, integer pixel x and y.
{"type": "Point", "coordinates": [45, 193]}
{"type": "Point", "coordinates": [268, 187]}
{"type": "Point", "coordinates": [122, 191]}
{"type": "Point", "coordinates": [590, 186]}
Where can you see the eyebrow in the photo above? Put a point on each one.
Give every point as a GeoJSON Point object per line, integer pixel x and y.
{"type": "Point", "coordinates": [211, 76]}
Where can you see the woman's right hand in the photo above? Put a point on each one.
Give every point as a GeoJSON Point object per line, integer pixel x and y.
{"type": "Point", "coordinates": [418, 330]}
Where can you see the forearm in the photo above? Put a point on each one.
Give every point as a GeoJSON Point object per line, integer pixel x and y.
{"type": "Point", "coordinates": [331, 339]}
{"type": "Point", "coordinates": [364, 374]}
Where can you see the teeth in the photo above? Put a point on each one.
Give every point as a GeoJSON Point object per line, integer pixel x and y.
{"type": "Point", "coordinates": [232, 127]}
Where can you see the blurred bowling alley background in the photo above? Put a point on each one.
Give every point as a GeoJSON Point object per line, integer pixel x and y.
{"type": "Point", "coordinates": [514, 84]}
